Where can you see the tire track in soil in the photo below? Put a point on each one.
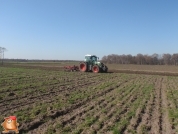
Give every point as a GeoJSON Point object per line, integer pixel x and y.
{"type": "Point", "coordinates": [171, 102]}
{"type": "Point", "coordinates": [72, 108]}
{"type": "Point", "coordinates": [134, 122]}
{"type": "Point", "coordinates": [141, 117]}
{"type": "Point", "coordinates": [156, 117]}
{"type": "Point", "coordinates": [167, 127]}
{"type": "Point", "coordinates": [143, 123]}
{"type": "Point", "coordinates": [146, 116]}
{"type": "Point", "coordinates": [152, 117]}
{"type": "Point", "coordinates": [173, 87]}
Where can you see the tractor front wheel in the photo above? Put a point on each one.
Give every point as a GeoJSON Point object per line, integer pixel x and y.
{"type": "Point", "coordinates": [83, 67]}
{"type": "Point", "coordinates": [95, 69]}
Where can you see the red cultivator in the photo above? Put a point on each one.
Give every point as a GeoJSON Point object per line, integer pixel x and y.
{"type": "Point", "coordinates": [71, 68]}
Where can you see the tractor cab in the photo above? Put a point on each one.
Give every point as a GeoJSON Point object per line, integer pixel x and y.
{"type": "Point", "coordinates": [91, 58]}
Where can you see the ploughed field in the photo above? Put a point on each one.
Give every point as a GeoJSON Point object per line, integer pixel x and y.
{"type": "Point", "coordinates": [53, 101]}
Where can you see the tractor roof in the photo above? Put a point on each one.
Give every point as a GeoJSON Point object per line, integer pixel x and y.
{"type": "Point", "coordinates": [90, 55]}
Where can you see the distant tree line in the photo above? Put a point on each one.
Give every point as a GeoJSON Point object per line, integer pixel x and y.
{"type": "Point", "coordinates": [140, 59]}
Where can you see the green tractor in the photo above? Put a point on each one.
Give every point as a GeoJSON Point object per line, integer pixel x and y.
{"type": "Point", "coordinates": [91, 63]}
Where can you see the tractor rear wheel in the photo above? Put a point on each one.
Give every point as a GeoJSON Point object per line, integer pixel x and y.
{"type": "Point", "coordinates": [83, 67]}
{"type": "Point", "coordinates": [95, 69]}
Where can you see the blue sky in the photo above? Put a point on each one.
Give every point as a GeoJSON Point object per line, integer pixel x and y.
{"type": "Point", "coordinates": [69, 29]}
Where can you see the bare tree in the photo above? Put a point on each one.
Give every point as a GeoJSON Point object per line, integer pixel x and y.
{"type": "Point", "coordinates": [148, 60]}
{"type": "Point", "coordinates": [155, 58]}
{"type": "Point", "coordinates": [167, 59]}
{"type": "Point", "coordinates": [2, 50]}
{"type": "Point", "coordinates": [104, 59]}
{"type": "Point", "coordinates": [130, 59]}
{"type": "Point", "coordinates": [140, 59]}
{"type": "Point", "coordinates": [175, 59]}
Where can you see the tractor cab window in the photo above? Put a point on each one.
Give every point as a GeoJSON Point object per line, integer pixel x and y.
{"type": "Point", "coordinates": [93, 58]}
{"type": "Point", "coordinates": [87, 58]}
